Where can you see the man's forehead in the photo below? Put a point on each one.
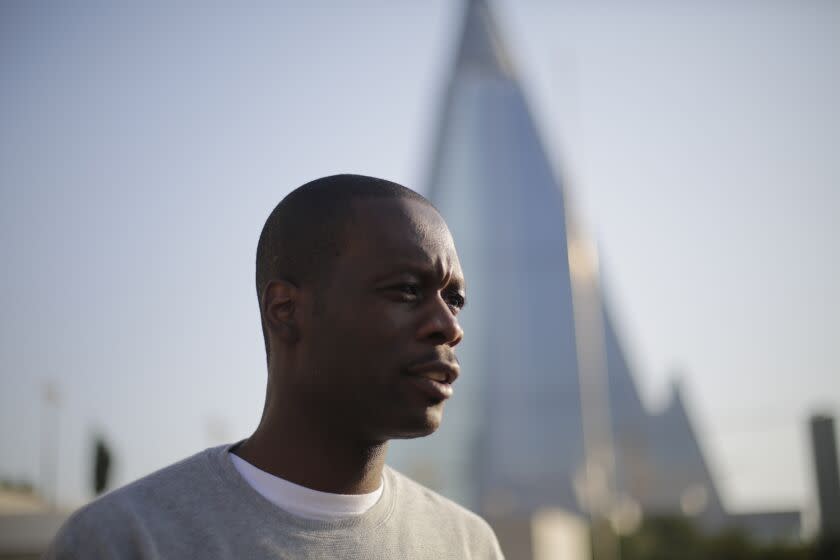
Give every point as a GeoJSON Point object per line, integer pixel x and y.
{"type": "Point", "coordinates": [397, 220]}
{"type": "Point", "coordinates": [402, 228]}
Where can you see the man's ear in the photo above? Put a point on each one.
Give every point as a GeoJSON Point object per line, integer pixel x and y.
{"type": "Point", "coordinates": [279, 306]}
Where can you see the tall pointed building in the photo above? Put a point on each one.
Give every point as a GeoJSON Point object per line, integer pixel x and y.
{"type": "Point", "coordinates": [546, 412]}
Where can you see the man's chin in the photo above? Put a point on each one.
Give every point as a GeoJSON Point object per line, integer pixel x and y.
{"type": "Point", "coordinates": [423, 425]}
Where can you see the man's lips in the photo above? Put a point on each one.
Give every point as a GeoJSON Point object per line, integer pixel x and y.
{"type": "Point", "coordinates": [436, 370]}
{"type": "Point", "coordinates": [434, 378]}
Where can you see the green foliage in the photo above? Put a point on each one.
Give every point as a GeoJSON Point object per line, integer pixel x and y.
{"type": "Point", "coordinates": [101, 465]}
{"type": "Point", "coordinates": [22, 486]}
{"type": "Point", "coordinates": [677, 538]}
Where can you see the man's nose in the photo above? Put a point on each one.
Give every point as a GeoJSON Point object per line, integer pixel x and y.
{"type": "Point", "coordinates": [441, 325]}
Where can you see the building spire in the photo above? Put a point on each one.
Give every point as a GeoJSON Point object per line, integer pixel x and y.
{"type": "Point", "coordinates": [482, 48]}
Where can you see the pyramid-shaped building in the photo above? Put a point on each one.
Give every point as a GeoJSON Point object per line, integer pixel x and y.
{"type": "Point", "coordinates": [546, 412]}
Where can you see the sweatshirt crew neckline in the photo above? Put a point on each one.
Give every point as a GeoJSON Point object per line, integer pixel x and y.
{"type": "Point", "coordinates": [301, 500]}
{"type": "Point", "coordinates": [221, 465]}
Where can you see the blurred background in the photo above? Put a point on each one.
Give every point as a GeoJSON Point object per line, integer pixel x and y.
{"type": "Point", "coordinates": [644, 198]}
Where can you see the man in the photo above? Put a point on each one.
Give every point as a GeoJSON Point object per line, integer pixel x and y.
{"type": "Point", "coordinates": [359, 288]}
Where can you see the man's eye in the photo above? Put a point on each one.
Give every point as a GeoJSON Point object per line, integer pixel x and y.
{"type": "Point", "coordinates": [408, 291]}
{"type": "Point", "coordinates": [456, 301]}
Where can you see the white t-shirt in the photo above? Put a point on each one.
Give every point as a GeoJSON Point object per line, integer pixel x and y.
{"type": "Point", "coordinates": [302, 501]}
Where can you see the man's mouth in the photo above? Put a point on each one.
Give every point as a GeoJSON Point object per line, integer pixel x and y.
{"type": "Point", "coordinates": [436, 370]}
{"type": "Point", "coordinates": [434, 378]}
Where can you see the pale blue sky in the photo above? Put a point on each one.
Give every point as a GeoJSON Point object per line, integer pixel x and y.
{"type": "Point", "coordinates": [142, 147]}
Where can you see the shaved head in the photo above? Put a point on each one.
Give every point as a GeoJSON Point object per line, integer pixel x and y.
{"type": "Point", "coordinates": [307, 230]}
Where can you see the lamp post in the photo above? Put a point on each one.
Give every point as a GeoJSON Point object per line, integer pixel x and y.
{"type": "Point", "coordinates": [50, 402]}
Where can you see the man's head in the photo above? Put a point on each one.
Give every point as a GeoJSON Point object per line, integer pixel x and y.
{"type": "Point", "coordinates": [359, 287]}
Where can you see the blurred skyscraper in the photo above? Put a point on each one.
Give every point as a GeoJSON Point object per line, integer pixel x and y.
{"type": "Point", "coordinates": [546, 412]}
{"type": "Point", "coordinates": [827, 474]}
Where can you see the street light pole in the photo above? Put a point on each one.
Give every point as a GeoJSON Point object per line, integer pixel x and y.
{"type": "Point", "coordinates": [50, 401]}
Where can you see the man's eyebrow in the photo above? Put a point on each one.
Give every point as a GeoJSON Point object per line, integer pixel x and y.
{"type": "Point", "coordinates": [425, 270]}
{"type": "Point", "coordinates": [457, 283]}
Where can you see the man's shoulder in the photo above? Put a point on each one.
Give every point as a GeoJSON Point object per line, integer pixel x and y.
{"type": "Point", "coordinates": [422, 499]}
{"type": "Point", "coordinates": [128, 509]}
{"type": "Point", "coordinates": [428, 516]}
{"type": "Point", "coordinates": [172, 480]}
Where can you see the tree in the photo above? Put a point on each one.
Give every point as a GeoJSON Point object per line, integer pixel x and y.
{"type": "Point", "coordinates": [101, 465]}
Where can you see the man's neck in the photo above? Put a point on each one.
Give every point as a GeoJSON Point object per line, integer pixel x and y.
{"type": "Point", "coordinates": [314, 459]}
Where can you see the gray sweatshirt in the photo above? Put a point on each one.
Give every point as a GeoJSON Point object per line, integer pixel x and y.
{"type": "Point", "coordinates": [202, 508]}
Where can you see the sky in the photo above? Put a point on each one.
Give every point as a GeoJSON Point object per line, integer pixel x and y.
{"type": "Point", "coordinates": [143, 145]}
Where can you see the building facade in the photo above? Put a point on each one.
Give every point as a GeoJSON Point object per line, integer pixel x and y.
{"type": "Point", "coordinates": [546, 412]}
